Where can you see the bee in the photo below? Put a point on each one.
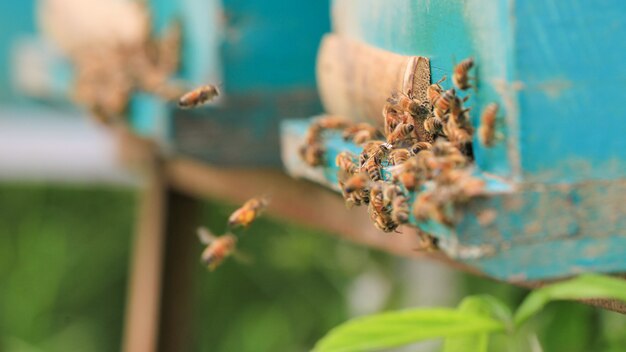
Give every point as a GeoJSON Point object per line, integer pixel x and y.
{"type": "Point", "coordinates": [376, 196]}
{"type": "Point", "coordinates": [381, 218]}
{"type": "Point", "coordinates": [486, 131]}
{"type": "Point", "coordinates": [312, 154]}
{"type": "Point", "coordinates": [402, 131]}
{"type": "Point", "coordinates": [218, 248]}
{"type": "Point", "coordinates": [372, 168]}
{"type": "Point", "coordinates": [470, 187]}
{"type": "Point", "coordinates": [405, 175]}
{"type": "Point", "coordinates": [400, 209]}
{"type": "Point", "coordinates": [442, 105]}
{"type": "Point", "coordinates": [457, 113]}
{"type": "Point", "coordinates": [374, 149]}
{"type": "Point", "coordinates": [361, 133]}
{"type": "Point", "coordinates": [460, 77]}
{"type": "Point", "coordinates": [390, 191]}
{"type": "Point", "coordinates": [399, 156]}
{"type": "Point", "coordinates": [433, 125]}
{"type": "Point", "coordinates": [248, 212]}
{"type": "Point", "coordinates": [419, 146]}
{"type": "Point", "coordinates": [405, 103]}
{"type": "Point", "coordinates": [433, 92]}
{"type": "Point", "coordinates": [332, 122]}
{"type": "Point", "coordinates": [427, 207]}
{"type": "Point", "coordinates": [312, 134]}
{"type": "Point", "coordinates": [391, 118]}
{"type": "Point", "coordinates": [345, 162]}
{"type": "Point", "coordinates": [460, 138]}
{"type": "Point", "coordinates": [356, 182]}
{"type": "Point", "coordinates": [198, 97]}
{"type": "Point", "coordinates": [354, 198]}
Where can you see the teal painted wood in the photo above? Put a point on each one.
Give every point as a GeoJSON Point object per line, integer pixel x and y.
{"type": "Point", "coordinates": [572, 228]}
{"type": "Point", "coordinates": [17, 19]}
{"type": "Point", "coordinates": [571, 62]}
{"type": "Point", "coordinates": [265, 54]}
{"type": "Point", "coordinates": [271, 45]}
{"type": "Point", "coordinates": [555, 68]}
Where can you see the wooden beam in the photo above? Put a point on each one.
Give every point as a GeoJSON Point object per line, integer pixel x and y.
{"type": "Point", "coordinates": [144, 288]}
{"type": "Point", "coordinates": [296, 201]}
{"type": "Point", "coordinates": [180, 259]}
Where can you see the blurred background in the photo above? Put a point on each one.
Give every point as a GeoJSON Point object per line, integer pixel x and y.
{"type": "Point", "coordinates": [68, 214]}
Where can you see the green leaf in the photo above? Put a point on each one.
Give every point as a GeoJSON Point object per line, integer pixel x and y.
{"type": "Point", "coordinates": [583, 287]}
{"type": "Point", "coordinates": [482, 305]}
{"type": "Point", "coordinates": [404, 327]}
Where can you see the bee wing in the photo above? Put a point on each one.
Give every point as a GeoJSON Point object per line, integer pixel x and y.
{"type": "Point", "coordinates": [242, 257]}
{"type": "Point", "coordinates": [205, 235]}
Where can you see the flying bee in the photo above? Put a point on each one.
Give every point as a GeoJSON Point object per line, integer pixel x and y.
{"type": "Point", "coordinates": [399, 156]}
{"type": "Point", "coordinates": [400, 209]}
{"type": "Point", "coordinates": [198, 97]}
{"type": "Point", "coordinates": [218, 248]}
{"type": "Point", "coordinates": [460, 76]}
{"type": "Point", "coordinates": [248, 212]}
{"type": "Point", "coordinates": [433, 92]}
{"type": "Point", "coordinates": [433, 125]}
{"type": "Point", "coordinates": [372, 168]}
{"type": "Point", "coordinates": [312, 154]}
{"type": "Point", "coordinates": [345, 162]}
{"type": "Point", "coordinates": [487, 129]}
{"type": "Point", "coordinates": [403, 131]}
{"type": "Point", "coordinates": [419, 146]}
{"type": "Point", "coordinates": [356, 182]}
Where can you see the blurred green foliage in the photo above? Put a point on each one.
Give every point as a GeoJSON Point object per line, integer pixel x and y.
{"type": "Point", "coordinates": [63, 263]}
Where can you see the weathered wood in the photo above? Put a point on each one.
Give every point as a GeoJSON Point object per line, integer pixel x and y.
{"type": "Point", "coordinates": [180, 259]}
{"type": "Point", "coordinates": [242, 130]}
{"type": "Point", "coordinates": [355, 79]}
{"type": "Point", "coordinates": [533, 232]}
{"type": "Point", "coordinates": [295, 201]}
{"type": "Point", "coordinates": [541, 61]}
{"type": "Point", "coordinates": [316, 207]}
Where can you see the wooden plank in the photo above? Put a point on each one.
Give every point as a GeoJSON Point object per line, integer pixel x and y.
{"type": "Point", "coordinates": [295, 201]}
{"type": "Point", "coordinates": [316, 207]}
{"type": "Point", "coordinates": [144, 287]}
{"type": "Point", "coordinates": [355, 79]}
{"type": "Point", "coordinates": [584, 223]}
{"type": "Point", "coordinates": [180, 259]}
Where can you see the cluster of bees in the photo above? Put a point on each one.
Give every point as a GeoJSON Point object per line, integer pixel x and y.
{"type": "Point", "coordinates": [218, 248]}
{"type": "Point", "coordinates": [107, 76]}
{"type": "Point", "coordinates": [423, 146]}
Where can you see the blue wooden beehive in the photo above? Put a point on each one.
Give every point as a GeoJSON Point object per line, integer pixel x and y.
{"type": "Point", "coordinates": [557, 177]}
{"type": "Point", "coordinates": [262, 53]}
